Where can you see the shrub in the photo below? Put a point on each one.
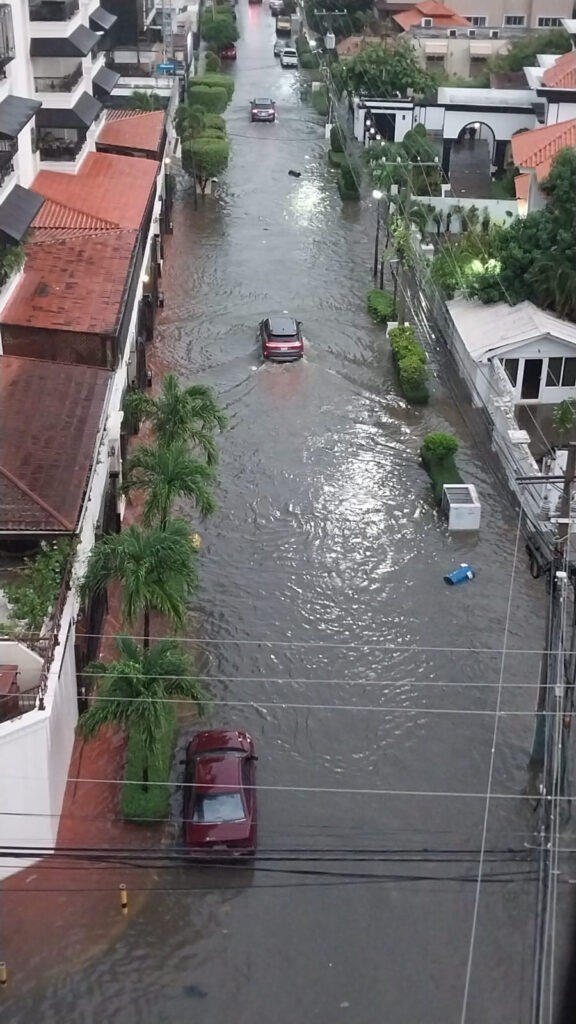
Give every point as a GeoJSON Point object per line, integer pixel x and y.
{"type": "Point", "coordinates": [302, 45]}
{"type": "Point", "coordinates": [336, 139]}
{"type": "Point", "coordinates": [337, 159]}
{"type": "Point", "coordinates": [213, 81]}
{"type": "Point", "coordinates": [212, 61]}
{"type": "Point", "coordinates": [138, 804]}
{"type": "Point", "coordinates": [214, 121]}
{"type": "Point", "coordinates": [213, 100]}
{"type": "Point", "coordinates": [440, 446]}
{"type": "Point", "coordinates": [410, 362]}
{"type": "Point", "coordinates": [381, 306]}
{"type": "Point", "coordinates": [347, 185]}
{"type": "Point", "coordinates": [212, 133]}
{"type": "Point", "coordinates": [440, 470]}
{"type": "Point", "coordinates": [319, 99]}
{"type": "Point", "coordinates": [309, 61]}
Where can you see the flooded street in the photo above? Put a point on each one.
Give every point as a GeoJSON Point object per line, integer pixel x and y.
{"type": "Point", "coordinates": [328, 633]}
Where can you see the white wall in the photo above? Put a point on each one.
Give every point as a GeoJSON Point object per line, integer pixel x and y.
{"type": "Point", "coordinates": [558, 112]}
{"type": "Point", "coordinates": [499, 210]}
{"type": "Point", "coordinates": [503, 123]}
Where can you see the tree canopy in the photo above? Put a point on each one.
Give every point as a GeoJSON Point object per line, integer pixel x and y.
{"type": "Point", "coordinates": [385, 73]}
{"type": "Point", "coordinates": [206, 158]}
{"type": "Point", "coordinates": [396, 162]}
{"type": "Point", "coordinates": [523, 51]}
{"type": "Point", "coordinates": [219, 29]}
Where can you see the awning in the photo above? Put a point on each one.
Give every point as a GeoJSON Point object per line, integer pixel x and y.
{"type": "Point", "coordinates": [18, 211]}
{"type": "Point", "coordinates": [77, 44]}
{"type": "Point", "coordinates": [480, 48]}
{"type": "Point", "coordinates": [15, 112]}
{"type": "Point", "coordinates": [433, 47]}
{"type": "Point", "coordinates": [102, 19]}
{"type": "Point", "coordinates": [106, 79]}
{"type": "Point", "coordinates": [82, 115]}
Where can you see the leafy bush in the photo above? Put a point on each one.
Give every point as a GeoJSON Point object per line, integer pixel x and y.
{"type": "Point", "coordinates": [410, 362]}
{"type": "Point", "coordinates": [212, 133]}
{"type": "Point", "coordinates": [219, 30]}
{"type": "Point", "coordinates": [440, 446]}
{"type": "Point", "coordinates": [35, 595]}
{"type": "Point", "coordinates": [336, 139]}
{"type": "Point", "coordinates": [309, 61]}
{"type": "Point", "coordinates": [337, 159]}
{"type": "Point", "coordinates": [319, 99]}
{"type": "Point", "coordinates": [381, 306]}
{"type": "Point", "coordinates": [302, 45]}
{"type": "Point", "coordinates": [213, 100]}
{"type": "Point", "coordinates": [206, 158]}
{"type": "Point", "coordinates": [212, 61]}
{"type": "Point", "coordinates": [440, 470]}
{"type": "Point", "coordinates": [137, 803]}
{"type": "Point", "coordinates": [347, 185]}
{"type": "Point", "coordinates": [214, 121]}
{"type": "Point", "coordinates": [214, 81]}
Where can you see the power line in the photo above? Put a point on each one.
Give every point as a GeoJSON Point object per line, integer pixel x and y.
{"type": "Point", "coordinates": [329, 682]}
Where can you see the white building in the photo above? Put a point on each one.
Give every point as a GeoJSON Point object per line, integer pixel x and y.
{"type": "Point", "coordinates": [527, 14]}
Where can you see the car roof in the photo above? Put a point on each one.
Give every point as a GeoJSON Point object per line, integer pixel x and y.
{"type": "Point", "coordinates": [263, 103]}
{"type": "Point", "coordinates": [218, 770]}
{"type": "Point", "coordinates": [282, 324]}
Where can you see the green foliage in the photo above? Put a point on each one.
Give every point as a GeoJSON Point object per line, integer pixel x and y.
{"type": "Point", "coordinates": [402, 242]}
{"type": "Point", "coordinates": [207, 157]}
{"type": "Point", "coordinates": [309, 61]}
{"type": "Point", "coordinates": [337, 160]}
{"type": "Point", "coordinates": [34, 596]}
{"type": "Point", "coordinates": [347, 184]}
{"type": "Point", "coordinates": [214, 99]}
{"type": "Point", "coordinates": [440, 446]}
{"type": "Point", "coordinates": [219, 30]}
{"type": "Point", "coordinates": [189, 414]}
{"type": "Point", "coordinates": [564, 416]}
{"type": "Point", "coordinates": [12, 259]}
{"type": "Point", "coordinates": [212, 133]}
{"type": "Point", "coordinates": [153, 803]}
{"type": "Point", "coordinates": [523, 52]}
{"type": "Point", "coordinates": [190, 120]}
{"type": "Point", "coordinates": [215, 121]}
{"type": "Point", "coordinates": [377, 71]}
{"type": "Point", "coordinates": [337, 141]}
{"type": "Point", "coordinates": [168, 472]}
{"type": "Point", "coordinates": [212, 61]}
{"type": "Point", "coordinates": [410, 363]}
{"type": "Point", "coordinates": [381, 306]}
{"type": "Point", "coordinates": [440, 470]}
{"type": "Point", "coordinates": [142, 100]}
{"type": "Point", "coordinates": [319, 98]}
{"type": "Point", "coordinates": [214, 80]}
{"type": "Point", "coordinates": [397, 163]}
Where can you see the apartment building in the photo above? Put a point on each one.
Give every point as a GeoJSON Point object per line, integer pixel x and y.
{"type": "Point", "coordinates": [519, 14]}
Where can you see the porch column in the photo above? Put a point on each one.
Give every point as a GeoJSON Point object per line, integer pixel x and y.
{"type": "Point", "coordinates": [446, 153]}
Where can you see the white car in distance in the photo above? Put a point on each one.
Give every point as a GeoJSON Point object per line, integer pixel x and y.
{"type": "Point", "coordinates": [289, 57]}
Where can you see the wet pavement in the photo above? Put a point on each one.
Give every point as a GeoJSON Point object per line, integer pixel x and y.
{"type": "Point", "coordinates": [470, 169]}
{"type": "Point", "coordinates": [326, 629]}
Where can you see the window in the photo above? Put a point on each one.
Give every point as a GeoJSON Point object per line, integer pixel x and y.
{"type": "Point", "coordinates": [211, 810]}
{"type": "Point", "coordinates": [514, 20]}
{"type": "Point", "coordinates": [7, 51]}
{"type": "Point", "coordinates": [479, 20]}
{"type": "Point", "coordinates": [549, 22]}
{"type": "Point", "coordinates": [511, 368]}
{"type": "Point", "coordinates": [561, 373]}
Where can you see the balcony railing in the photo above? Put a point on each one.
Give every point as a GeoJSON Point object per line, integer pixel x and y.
{"type": "Point", "coordinates": [63, 83]}
{"type": "Point", "coordinates": [60, 149]}
{"type": "Point", "coordinates": [13, 705]}
{"type": "Point", "coordinates": [53, 10]}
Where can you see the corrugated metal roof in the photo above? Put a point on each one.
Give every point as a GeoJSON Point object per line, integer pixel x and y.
{"type": "Point", "coordinates": [491, 329]}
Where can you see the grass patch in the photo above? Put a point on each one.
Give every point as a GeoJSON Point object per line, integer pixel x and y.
{"type": "Point", "coordinates": [138, 804]}
{"type": "Point", "coordinates": [336, 159]}
{"type": "Point", "coordinates": [441, 471]}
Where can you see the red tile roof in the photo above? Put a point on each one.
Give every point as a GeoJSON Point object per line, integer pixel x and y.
{"type": "Point", "coordinates": [143, 130]}
{"type": "Point", "coordinates": [562, 74]}
{"type": "Point", "coordinates": [442, 16]}
{"type": "Point", "coordinates": [73, 284]}
{"type": "Point", "coordinates": [50, 414]}
{"type": "Point", "coordinates": [107, 187]}
{"type": "Point", "coordinates": [538, 148]}
{"type": "Point", "coordinates": [57, 215]}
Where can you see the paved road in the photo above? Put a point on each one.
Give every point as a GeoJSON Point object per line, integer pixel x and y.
{"type": "Point", "coordinates": [322, 586]}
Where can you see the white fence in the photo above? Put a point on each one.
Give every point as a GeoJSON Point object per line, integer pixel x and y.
{"type": "Point", "coordinates": [500, 211]}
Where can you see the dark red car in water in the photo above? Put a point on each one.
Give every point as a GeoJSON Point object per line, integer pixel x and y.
{"type": "Point", "coordinates": [219, 794]}
{"type": "Point", "coordinates": [228, 53]}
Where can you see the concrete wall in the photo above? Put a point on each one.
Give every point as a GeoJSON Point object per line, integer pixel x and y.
{"type": "Point", "coordinates": [503, 123]}
{"type": "Point", "coordinates": [558, 112]}
{"type": "Point", "coordinates": [501, 210]}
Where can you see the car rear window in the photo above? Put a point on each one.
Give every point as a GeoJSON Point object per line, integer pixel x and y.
{"type": "Point", "coordinates": [262, 103]}
{"type": "Point", "coordinates": [289, 53]}
{"type": "Point", "coordinates": [211, 810]}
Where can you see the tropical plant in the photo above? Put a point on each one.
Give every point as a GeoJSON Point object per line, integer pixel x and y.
{"type": "Point", "coordinates": [12, 259]}
{"type": "Point", "coordinates": [181, 414]}
{"type": "Point", "coordinates": [33, 596]}
{"type": "Point", "coordinates": [135, 691]}
{"type": "Point", "coordinates": [381, 306]}
{"type": "Point", "coordinates": [189, 121]}
{"type": "Point", "coordinates": [142, 100]}
{"type": "Point", "coordinates": [347, 183]}
{"type": "Point", "coordinates": [564, 416]}
{"type": "Point", "coordinates": [168, 472]}
{"type": "Point", "coordinates": [377, 71]}
{"type": "Point", "coordinates": [155, 568]}
{"type": "Point", "coordinates": [440, 446]}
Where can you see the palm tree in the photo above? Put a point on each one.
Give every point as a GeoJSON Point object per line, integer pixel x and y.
{"type": "Point", "coordinates": [142, 100]}
{"type": "Point", "coordinates": [554, 283]}
{"type": "Point", "coordinates": [156, 569]}
{"type": "Point", "coordinates": [180, 415]}
{"type": "Point", "coordinates": [168, 472]}
{"type": "Point", "coordinates": [136, 690]}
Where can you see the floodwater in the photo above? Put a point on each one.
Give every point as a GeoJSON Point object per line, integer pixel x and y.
{"type": "Point", "coordinates": [370, 686]}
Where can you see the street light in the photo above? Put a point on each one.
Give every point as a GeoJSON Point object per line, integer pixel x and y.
{"type": "Point", "coordinates": [377, 195]}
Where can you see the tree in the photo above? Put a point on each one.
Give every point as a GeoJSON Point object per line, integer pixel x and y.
{"type": "Point", "coordinates": [385, 73]}
{"type": "Point", "coordinates": [167, 472]}
{"type": "Point", "coordinates": [189, 121]}
{"type": "Point", "coordinates": [208, 158]}
{"type": "Point", "coordinates": [142, 100]}
{"type": "Point", "coordinates": [155, 568]}
{"type": "Point", "coordinates": [135, 689]}
{"type": "Point", "coordinates": [212, 61]}
{"type": "Point", "coordinates": [219, 31]}
{"type": "Point", "coordinates": [212, 98]}
{"type": "Point", "coordinates": [190, 414]}
{"type": "Point", "coordinates": [522, 53]}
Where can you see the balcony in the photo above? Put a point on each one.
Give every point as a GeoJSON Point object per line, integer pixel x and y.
{"type": "Point", "coordinates": [8, 151]}
{"type": "Point", "coordinates": [53, 10]}
{"type": "Point", "coordinates": [63, 83]}
{"type": "Point", "coordinates": [60, 148]}
{"type": "Point", "coordinates": [7, 48]}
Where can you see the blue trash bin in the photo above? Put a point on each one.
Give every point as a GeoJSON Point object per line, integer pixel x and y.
{"type": "Point", "coordinates": [460, 575]}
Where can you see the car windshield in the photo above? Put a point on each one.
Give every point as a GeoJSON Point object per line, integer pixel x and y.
{"type": "Point", "coordinates": [263, 103]}
{"type": "Point", "coordinates": [211, 810]}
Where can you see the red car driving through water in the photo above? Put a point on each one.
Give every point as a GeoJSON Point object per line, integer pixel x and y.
{"type": "Point", "coordinates": [219, 794]}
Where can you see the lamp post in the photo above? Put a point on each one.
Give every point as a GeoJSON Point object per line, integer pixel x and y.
{"type": "Point", "coordinates": [377, 195]}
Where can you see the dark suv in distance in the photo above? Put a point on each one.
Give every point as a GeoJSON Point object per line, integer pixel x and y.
{"type": "Point", "coordinates": [281, 338]}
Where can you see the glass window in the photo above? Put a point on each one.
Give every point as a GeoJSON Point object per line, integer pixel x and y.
{"type": "Point", "coordinates": [554, 375]}
{"type": "Point", "coordinates": [569, 373]}
{"type": "Point", "coordinates": [514, 20]}
{"type": "Point", "coordinates": [479, 20]}
{"type": "Point", "coordinates": [6, 35]}
{"type": "Point", "coordinates": [511, 368]}
{"type": "Point", "coordinates": [210, 810]}
{"type": "Point", "coordinates": [549, 22]}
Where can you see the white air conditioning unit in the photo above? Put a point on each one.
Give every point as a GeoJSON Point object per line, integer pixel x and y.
{"type": "Point", "coordinates": [494, 33]}
{"type": "Point", "coordinates": [427, 22]}
{"type": "Point", "coordinates": [452, 33]}
{"type": "Point", "coordinates": [460, 503]}
{"type": "Point", "coordinates": [471, 33]}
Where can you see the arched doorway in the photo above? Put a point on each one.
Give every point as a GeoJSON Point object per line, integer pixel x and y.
{"type": "Point", "coordinates": [472, 160]}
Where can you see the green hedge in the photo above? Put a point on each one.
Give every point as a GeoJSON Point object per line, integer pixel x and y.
{"type": "Point", "coordinates": [214, 100]}
{"type": "Point", "coordinates": [302, 45]}
{"type": "Point", "coordinates": [440, 471]}
{"type": "Point", "coordinates": [337, 141]}
{"type": "Point", "coordinates": [138, 804]}
{"type": "Point", "coordinates": [214, 121]}
{"type": "Point", "coordinates": [337, 159]}
{"type": "Point", "coordinates": [410, 363]}
{"type": "Point", "coordinates": [319, 98]}
{"type": "Point", "coordinates": [347, 185]}
{"type": "Point", "coordinates": [214, 81]}
{"type": "Point", "coordinates": [309, 61]}
{"type": "Point", "coordinates": [381, 306]}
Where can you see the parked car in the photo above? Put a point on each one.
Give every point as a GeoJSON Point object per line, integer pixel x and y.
{"type": "Point", "coordinates": [276, 6]}
{"type": "Point", "coordinates": [278, 47]}
{"type": "Point", "coordinates": [281, 337]}
{"type": "Point", "coordinates": [289, 57]}
{"type": "Point", "coordinates": [219, 794]}
{"type": "Point", "coordinates": [228, 53]}
{"type": "Point", "coordinates": [284, 25]}
{"type": "Point", "coordinates": [262, 110]}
